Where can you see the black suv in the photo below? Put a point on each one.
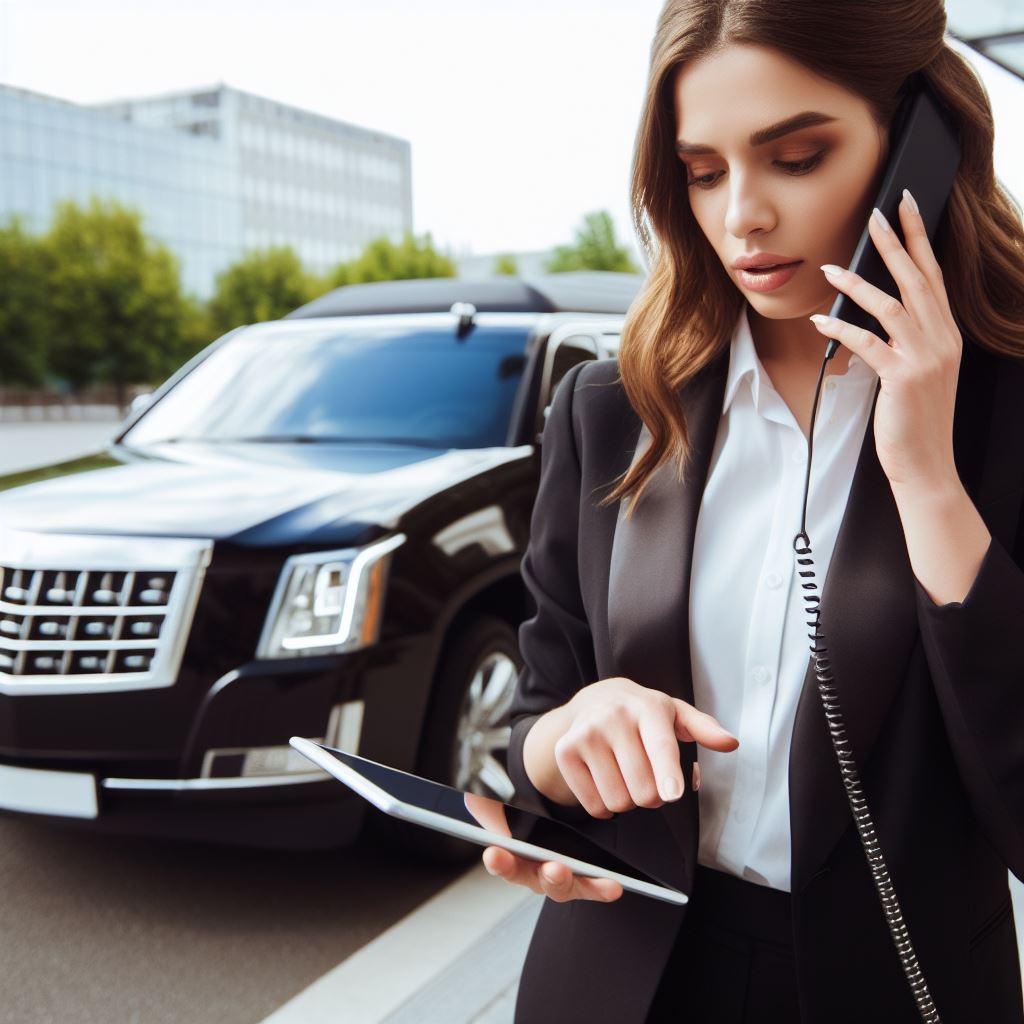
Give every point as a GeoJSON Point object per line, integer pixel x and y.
{"type": "Point", "coordinates": [314, 527]}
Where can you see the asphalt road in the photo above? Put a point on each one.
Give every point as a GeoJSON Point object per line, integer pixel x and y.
{"type": "Point", "coordinates": [101, 930]}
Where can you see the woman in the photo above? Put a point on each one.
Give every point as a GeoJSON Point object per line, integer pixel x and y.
{"type": "Point", "coordinates": [670, 650]}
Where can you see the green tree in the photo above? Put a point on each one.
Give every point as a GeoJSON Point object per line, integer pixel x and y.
{"type": "Point", "coordinates": [115, 298]}
{"type": "Point", "coordinates": [382, 260]}
{"type": "Point", "coordinates": [595, 248]}
{"type": "Point", "coordinates": [506, 265]}
{"type": "Point", "coordinates": [263, 285]}
{"type": "Point", "coordinates": [24, 307]}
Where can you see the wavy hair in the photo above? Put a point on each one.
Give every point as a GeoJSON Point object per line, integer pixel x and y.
{"type": "Point", "coordinates": [686, 312]}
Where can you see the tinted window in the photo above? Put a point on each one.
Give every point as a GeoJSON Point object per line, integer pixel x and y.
{"type": "Point", "coordinates": [415, 385]}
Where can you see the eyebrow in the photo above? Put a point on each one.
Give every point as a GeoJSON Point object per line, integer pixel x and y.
{"type": "Point", "coordinates": [807, 119]}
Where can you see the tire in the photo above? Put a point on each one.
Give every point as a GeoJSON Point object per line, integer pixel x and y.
{"type": "Point", "coordinates": [472, 692]}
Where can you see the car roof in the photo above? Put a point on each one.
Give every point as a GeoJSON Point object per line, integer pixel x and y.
{"type": "Point", "coordinates": [590, 291]}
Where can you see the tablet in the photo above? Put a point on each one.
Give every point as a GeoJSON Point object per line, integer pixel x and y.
{"type": "Point", "coordinates": [480, 819]}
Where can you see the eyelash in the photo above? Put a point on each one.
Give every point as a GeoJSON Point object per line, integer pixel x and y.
{"type": "Point", "coordinates": [798, 167]}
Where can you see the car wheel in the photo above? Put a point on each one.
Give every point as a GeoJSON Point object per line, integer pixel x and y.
{"type": "Point", "coordinates": [464, 743]}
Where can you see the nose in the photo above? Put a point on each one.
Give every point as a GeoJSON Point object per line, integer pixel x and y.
{"type": "Point", "coordinates": [749, 208]}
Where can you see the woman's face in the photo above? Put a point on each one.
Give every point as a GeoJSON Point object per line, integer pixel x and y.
{"type": "Point", "coordinates": [804, 195]}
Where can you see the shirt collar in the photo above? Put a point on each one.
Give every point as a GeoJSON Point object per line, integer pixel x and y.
{"type": "Point", "coordinates": [744, 365]}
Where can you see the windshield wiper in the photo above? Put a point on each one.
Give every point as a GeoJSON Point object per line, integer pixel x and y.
{"type": "Point", "coordinates": [403, 442]}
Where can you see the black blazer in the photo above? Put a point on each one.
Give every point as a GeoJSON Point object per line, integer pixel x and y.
{"type": "Point", "coordinates": [933, 698]}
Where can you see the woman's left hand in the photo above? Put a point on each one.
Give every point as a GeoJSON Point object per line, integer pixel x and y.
{"type": "Point", "coordinates": [919, 368]}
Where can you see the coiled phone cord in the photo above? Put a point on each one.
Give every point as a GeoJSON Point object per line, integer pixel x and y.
{"type": "Point", "coordinates": [851, 777]}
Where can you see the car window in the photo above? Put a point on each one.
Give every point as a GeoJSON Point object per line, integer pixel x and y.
{"type": "Point", "coordinates": [419, 386]}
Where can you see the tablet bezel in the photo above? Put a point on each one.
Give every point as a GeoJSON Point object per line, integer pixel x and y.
{"type": "Point", "coordinates": [323, 756]}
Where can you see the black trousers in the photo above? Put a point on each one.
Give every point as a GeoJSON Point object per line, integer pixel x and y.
{"type": "Point", "coordinates": [732, 962]}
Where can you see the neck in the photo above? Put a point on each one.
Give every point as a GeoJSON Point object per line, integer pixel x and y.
{"type": "Point", "coordinates": [794, 345]}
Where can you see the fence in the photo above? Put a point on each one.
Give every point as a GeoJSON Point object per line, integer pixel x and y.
{"type": "Point", "coordinates": [22, 405]}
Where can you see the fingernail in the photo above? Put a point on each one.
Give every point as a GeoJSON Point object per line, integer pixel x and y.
{"type": "Point", "coordinates": [820, 318]}
{"type": "Point", "coordinates": [671, 789]}
{"type": "Point", "coordinates": [911, 202]}
{"type": "Point", "coordinates": [696, 776]}
{"type": "Point", "coordinates": [880, 219]}
{"type": "Point", "coordinates": [831, 269]}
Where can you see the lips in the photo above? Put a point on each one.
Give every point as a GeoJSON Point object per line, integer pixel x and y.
{"type": "Point", "coordinates": [763, 260]}
{"type": "Point", "coordinates": [764, 280]}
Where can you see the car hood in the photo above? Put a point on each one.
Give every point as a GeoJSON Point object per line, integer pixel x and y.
{"type": "Point", "coordinates": [252, 494]}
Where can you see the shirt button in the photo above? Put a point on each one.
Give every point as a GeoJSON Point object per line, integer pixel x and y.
{"type": "Point", "coordinates": [740, 815]}
{"type": "Point", "coordinates": [830, 385]}
{"type": "Point", "coordinates": [760, 674]}
{"type": "Point", "coordinates": [773, 579]}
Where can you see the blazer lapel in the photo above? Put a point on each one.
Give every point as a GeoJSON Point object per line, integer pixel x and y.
{"type": "Point", "coordinates": [649, 581]}
{"type": "Point", "coordinates": [869, 625]}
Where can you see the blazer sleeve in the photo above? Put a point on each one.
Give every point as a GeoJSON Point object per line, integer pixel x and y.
{"type": "Point", "coordinates": [975, 652]}
{"type": "Point", "coordinates": [556, 643]}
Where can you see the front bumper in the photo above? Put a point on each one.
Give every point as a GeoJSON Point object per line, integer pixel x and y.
{"type": "Point", "coordinates": [371, 703]}
{"type": "Point", "coordinates": [291, 812]}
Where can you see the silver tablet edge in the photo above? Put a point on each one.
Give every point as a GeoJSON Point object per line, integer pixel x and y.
{"type": "Point", "coordinates": [474, 833]}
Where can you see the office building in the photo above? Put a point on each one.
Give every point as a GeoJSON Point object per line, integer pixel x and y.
{"type": "Point", "coordinates": [324, 187]}
{"type": "Point", "coordinates": [214, 172]}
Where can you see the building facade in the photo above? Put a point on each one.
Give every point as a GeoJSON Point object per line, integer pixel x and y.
{"type": "Point", "coordinates": [323, 186]}
{"type": "Point", "coordinates": [185, 188]}
{"type": "Point", "coordinates": [214, 172]}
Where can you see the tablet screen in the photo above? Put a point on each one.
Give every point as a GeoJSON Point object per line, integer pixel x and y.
{"type": "Point", "coordinates": [483, 812]}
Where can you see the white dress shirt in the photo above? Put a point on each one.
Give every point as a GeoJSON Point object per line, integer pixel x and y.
{"type": "Point", "coordinates": [749, 649]}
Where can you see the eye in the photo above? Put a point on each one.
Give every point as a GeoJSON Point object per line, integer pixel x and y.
{"type": "Point", "coordinates": [793, 167]}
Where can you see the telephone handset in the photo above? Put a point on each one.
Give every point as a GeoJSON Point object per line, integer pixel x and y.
{"type": "Point", "coordinates": [924, 156]}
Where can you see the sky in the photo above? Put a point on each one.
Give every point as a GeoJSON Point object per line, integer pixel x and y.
{"type": "Point", "coordinates": [521, 116]}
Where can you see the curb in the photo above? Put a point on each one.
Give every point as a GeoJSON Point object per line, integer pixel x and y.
{"type": "Point", "coordinates": [456, 959]}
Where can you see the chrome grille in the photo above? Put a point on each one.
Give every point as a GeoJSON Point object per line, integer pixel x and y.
{"type": "Point", "coordinates": [114, 622]}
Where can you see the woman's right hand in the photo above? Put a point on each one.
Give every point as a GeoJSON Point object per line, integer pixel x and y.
{"type": "Point", "coordinates": [620, 750]}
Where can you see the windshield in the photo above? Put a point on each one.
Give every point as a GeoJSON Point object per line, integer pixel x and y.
{"type": "Point", "coordinates": [399, 385]}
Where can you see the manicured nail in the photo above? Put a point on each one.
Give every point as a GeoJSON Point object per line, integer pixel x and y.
{"type": "Point", "coordinates": [696, 776]}
{"type": "Point", "coordinates": [831, 269]}
{"type": "Point", "coordinates": [820, 318]}
{"type": "Point", "coordinates": [880, 219]}
{"type": "Point", "coordinates": [911, 202]}
{"type": "Point", "coordinates": [670, 789]}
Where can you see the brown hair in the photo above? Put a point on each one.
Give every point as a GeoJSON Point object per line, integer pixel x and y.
{"type": "Point", "coordinates": [685, 314]}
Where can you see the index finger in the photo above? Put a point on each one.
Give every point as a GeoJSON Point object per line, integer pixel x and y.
{"type": "Point", "coordinates": [489, 812]}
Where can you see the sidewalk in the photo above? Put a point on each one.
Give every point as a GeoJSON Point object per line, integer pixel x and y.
{"type": "Point", "coordinates": [454, 960]}
{"type": "Point", "coordinates": [26, 445]}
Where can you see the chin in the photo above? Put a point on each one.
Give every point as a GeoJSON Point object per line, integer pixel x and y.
{"type": "Point", "coordinates": [779, 308]}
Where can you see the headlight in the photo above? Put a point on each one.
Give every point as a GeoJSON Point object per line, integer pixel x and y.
{"type": "Point", "coordinates": [327, 602]}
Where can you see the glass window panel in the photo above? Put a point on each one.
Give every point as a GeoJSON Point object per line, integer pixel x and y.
{"type": "Point", "coordinates": [274, 381]}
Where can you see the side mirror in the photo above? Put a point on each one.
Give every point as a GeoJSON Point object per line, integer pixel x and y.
{"type": "Point", "coordinates": [140, 402]}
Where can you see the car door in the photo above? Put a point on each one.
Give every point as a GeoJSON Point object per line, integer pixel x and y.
{"type": "Point", "coordinates": [569, 344]}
